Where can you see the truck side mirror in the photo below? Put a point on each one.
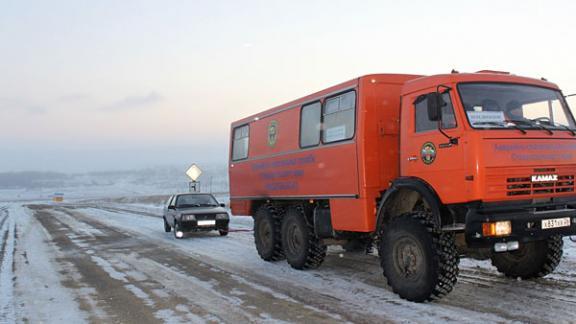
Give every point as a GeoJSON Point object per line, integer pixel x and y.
{"type": "Point", "coordinates": [171, 207]}
{"type": "Point", "coordinates": [435, 104]}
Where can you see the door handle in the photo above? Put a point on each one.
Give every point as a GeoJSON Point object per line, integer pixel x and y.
{"type": "Point", "coordinates": [413, 158]}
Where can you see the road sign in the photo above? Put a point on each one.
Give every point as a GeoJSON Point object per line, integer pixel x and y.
{"type": "Point", "coordinates": [193, 172]}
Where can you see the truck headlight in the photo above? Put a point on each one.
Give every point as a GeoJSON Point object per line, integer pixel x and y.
{"type": "Point", "coordinates": [501, 228]}
{"type": "Point", "coordinates": [221, 216]}
{"type": "Point", "coordinates": [189, 217]}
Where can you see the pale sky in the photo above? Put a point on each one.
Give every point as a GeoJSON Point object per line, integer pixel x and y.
{"type": "Point", "coordinates": [99, 85]}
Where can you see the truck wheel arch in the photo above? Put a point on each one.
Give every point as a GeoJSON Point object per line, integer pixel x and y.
{"type": "Point", "coordinates": [401, 198]}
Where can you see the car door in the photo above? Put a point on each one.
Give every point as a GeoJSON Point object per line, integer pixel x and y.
{"type": "Point", "coordinates": [170, 212]}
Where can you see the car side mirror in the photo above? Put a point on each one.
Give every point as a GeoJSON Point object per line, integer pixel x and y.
{"type": "Point", "coordinates": [435, 104]}
{"type": "Point", "coordinates": [222, 205]}
{"type": "Point", "coordinates": [172, 207]}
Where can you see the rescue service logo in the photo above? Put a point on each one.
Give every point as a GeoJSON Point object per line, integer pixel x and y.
{"type": "Point", "coordinates": [428, 153]}
{"type": "Point", "coordinates": [272, 133]}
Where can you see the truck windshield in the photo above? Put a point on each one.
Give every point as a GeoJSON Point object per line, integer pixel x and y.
{"type": "Point", "coordinates": [498, 105]}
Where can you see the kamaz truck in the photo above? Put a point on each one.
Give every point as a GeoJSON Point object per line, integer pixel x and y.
{"type": "Point", "coordinates": [427, 169]}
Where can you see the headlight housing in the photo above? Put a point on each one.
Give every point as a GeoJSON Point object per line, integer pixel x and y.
{"type": "Point", "coordinates": [188, 217]}
{"type": "Point", "coordinates": [222, 216]}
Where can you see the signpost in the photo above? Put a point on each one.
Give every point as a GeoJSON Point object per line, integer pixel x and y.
{"type": "Point", "coordinates": [194, 173]}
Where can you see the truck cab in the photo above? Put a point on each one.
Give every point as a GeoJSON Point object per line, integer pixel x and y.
{"type": "Point", "coordinates": [499, 149]}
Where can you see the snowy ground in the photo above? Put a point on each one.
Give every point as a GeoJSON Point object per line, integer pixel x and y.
{"type": "Point", "coordinates": [111, 261]}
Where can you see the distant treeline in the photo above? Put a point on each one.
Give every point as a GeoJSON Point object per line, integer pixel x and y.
{"type": "Point", "coordinates": [30, 179]}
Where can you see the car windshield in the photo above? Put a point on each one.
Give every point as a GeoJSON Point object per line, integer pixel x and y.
{"type": "Point", "coordinates": [497, 105]}
{"type": "Point", "coordinates": [196, 200]}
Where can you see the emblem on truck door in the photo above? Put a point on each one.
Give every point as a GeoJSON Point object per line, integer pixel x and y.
{"type": "Point", "coordinates": [272, 133]}
{"type": "Point", "coordinates": [428, 153]}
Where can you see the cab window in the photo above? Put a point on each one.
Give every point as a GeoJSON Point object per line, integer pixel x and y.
{"type": "Point", "coordinates": [423, 123]}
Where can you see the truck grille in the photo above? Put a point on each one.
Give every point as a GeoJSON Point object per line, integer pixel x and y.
{"type": "Point", "coordinates": [514, 183]}
{"type": "Point", "coordinates": [525, 186]}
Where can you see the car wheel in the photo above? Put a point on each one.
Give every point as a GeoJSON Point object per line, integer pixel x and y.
{"type": "Point", "coordinates": [178, 234]}
{"type": "Point", "coordinates": [223, 232]}
{"type": "Point", "coordinates": [167, 227]}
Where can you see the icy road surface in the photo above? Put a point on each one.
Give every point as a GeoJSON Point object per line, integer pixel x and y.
{"type": "Point", "coordinates": [108, 262]}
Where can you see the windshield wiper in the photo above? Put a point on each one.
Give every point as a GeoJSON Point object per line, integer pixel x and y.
{"type": "Point", "coordinates": [501, 124]}
{"type": "Point", "coordinates": [537, 124]}
{"type": "Point", "coordinates": [531, 123]}
{"type": "Point", "coordinates": [550, 123]}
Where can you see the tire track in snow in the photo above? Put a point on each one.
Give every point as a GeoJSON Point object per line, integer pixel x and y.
{"type": "Point", "coordinates": [211, 291]}
{"type": "Point", "coordinates": [7, 252]}
{"type": "Point", "coordinates": [480, 290]}
{"type": "Point", "coordinates": [328, 289]}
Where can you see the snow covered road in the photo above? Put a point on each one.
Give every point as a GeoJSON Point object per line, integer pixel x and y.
{"type": "Point", "coordinates": [108, 262]}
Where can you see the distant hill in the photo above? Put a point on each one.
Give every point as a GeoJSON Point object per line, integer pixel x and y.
{"type": "Point", "coordinates": [151, 181]}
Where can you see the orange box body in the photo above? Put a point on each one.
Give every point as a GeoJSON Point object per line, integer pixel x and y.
{"type": "Point", "coordinates": [353, 174]}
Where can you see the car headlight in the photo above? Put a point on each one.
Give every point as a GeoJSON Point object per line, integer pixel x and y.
{"type": "Point", "coordinates": [221, 216]}
{"type": "Point", "coordinates": [189, 217]}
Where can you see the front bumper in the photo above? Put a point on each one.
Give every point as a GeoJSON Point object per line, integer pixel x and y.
{"type": "Point", "coordinates": [193, 226]}
{"type": "Point", "coordinates": [526, 223]}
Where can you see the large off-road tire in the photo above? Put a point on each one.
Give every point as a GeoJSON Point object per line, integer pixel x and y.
{"type": "Point", "coordinates": [419, 262]}
{"type": "Point", "coordinates": [267, 233]}
{"type": "Point", "coordinates": [533, 260]}
{"type": "Point", "coordinates": [223, 232]}
{"type": "Point", "coordinates": [167, 227]}
{"type": "Point", "coordinates": [302, 248]}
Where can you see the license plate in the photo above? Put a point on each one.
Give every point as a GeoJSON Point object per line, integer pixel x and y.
{"type": "Point", "coordinates": [206, 222]}
{"type": "Point", "coordinates": [555, 222]}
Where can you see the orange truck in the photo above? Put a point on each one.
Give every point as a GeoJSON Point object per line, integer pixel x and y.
{"type": "Point", "coordinates": [427, 169]}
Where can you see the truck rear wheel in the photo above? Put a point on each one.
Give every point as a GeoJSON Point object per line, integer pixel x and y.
{"type": "Point", "coordinates": [419, 262]}
{"type": "Point", "coordinates": [532, 260]}
{"type": "Point", "coordinates": [302, 248]}
{"type": "Point", "coordinates": [267, 234]}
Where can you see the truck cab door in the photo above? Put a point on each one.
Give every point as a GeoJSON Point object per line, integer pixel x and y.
{"type": "Point", "coordinates": [428, 154]}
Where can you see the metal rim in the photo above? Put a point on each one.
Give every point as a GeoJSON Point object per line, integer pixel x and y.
{"type": "Point", "coordinates": [294, 238]}
{"type": "Point", "coordinates": [408, 257]}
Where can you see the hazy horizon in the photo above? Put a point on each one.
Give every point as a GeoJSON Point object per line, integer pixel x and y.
{"type": "Point", "coordinates": [116, 85]}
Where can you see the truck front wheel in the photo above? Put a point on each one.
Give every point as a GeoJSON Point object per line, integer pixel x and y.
{"type": "Point", "coordinates": [267, 234]}
{"type": "Point", "coordinates": [532, 260]}
{"type": "Point", "coordinates": [302, 248]}
{"type": "Point", "coordinates": [419, 262]}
